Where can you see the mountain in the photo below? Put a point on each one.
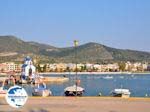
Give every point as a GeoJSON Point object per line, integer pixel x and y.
{"type": "Point", "coordinates": [94, 52]}
{"type": "Point", "coordinates": [14, 44]}
{"type": "Point", "coordinates": [12, 48]}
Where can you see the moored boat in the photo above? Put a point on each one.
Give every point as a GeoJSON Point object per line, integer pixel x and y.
{"type": "Point", "coordinates": [74, 91]}
{"type": "Point", "coordinates": [125, 93]}
{"type": "Point", "coordinates": [41, 90]}
{"type": "Point", "coordinates": [108, 77]}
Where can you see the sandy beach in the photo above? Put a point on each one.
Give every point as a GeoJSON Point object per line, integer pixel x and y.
{"type": "Point", "coordinates": [80, 104]}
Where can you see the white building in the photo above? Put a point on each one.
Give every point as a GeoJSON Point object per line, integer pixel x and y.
{"type": "Point", "coordinates": [28, 69]}
{"type": "Point", "coordinates": [12, 67]}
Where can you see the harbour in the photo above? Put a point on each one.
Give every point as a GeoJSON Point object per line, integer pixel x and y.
{"type": "Point", "coordinates": [95, 84]}
{"type": "Point", "coordinates": [68, 84]}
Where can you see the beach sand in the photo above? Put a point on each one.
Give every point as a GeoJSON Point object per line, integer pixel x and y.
{"type": "Point", "coordinates": [80, 104]}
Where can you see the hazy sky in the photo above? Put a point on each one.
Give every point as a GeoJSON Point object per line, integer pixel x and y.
{"type": "Point", "coordinates": [116, 23]}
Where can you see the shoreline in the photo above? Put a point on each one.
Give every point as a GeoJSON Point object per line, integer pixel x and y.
{"type": "Point", "coordinates": [86, 73]}
{"type": "Point", "coordinates": [94, 73]}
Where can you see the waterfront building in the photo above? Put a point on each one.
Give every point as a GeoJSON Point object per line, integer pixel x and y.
{"type": "Point", "coordinates": [12, 67]}
{"type": "Point", "coordinates": [113, 67]}
{"type": "Point", "coordinates": [61, 67]}
{"type": "Point", "coordinates": [71, 67]}
{"type": "Point", "coordinates": [128, 66]}
{"type": "Point", "coordinates": [53, 67]}
{"type": "Point", "coordinates": [97, 67]}
{"type": "Point", "coordinates": [137, 66]}
{"type": "Point", "coordinates": [145, 65]}
{"type": "Point", "coordinates": [89, 67]}
{"type": "Point", "coordinates": [68, 67]}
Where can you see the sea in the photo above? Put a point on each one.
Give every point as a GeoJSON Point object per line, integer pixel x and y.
{"type": "Point", "coordinates": [138, 84]}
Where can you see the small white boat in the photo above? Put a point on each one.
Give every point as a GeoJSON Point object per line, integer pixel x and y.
{"type": "Point", "coordinates": [125, 93]}
{"type": "Point", "coordinates": [129, 72]}
{"type": "Point", "coordinates": [108, 77]}
{"type": "Point", "coordinates": [74, 91]}
{"type": "Point", "coordinates": [121, 77]}
{"type": "Point", "coordinates": [41, 90]}
{"type": "Point", "coordinates": [132, 75]}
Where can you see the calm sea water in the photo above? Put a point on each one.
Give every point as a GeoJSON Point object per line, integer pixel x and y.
{"type": "Point", "coordinates": [139, 85]}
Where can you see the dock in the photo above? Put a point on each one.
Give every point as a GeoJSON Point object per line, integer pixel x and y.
{"type": "Point", "coordinates": [45, 79]}
{"type": "Point", "coordinates": [80, 104]}
{"type": "Point", "coordinates": [55, 79]}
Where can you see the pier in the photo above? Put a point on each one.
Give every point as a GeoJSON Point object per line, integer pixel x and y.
{"type": "Point", "coordinates": [55, 79]}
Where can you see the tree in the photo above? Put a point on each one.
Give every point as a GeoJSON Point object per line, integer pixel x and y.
{"type": "Point", "coordinates": [122, 66]}
{"type": "Point", "coordinates": [38, 68]}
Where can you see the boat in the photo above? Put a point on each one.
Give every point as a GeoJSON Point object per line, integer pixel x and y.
{"type": "Point", "coordinates": [108, 77]}
{"type": "Point", "coordinates": [74, 91]}
{"type": "Point", "coordinates": [41, 90]}
{"type": "Point", "coordinates": [124, 93]}
{"type": "Point", "coordinates": [132, 76]}
{"type": "Point", "coordinates": [129, 72]}
{"type": "Point", "coordinates": [121, 77]}
{"type": "Point", "coordinates": [6, 84]}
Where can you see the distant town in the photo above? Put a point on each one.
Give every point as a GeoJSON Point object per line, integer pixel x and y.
{"type": "Point", "coordinates": [71, 67]}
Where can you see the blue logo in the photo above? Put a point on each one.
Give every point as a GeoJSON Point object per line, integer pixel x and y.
{"type": "Point", "coordinates": [16, 96]}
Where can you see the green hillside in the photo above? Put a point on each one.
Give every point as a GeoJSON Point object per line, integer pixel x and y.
{"type": "Point", "coordinates": [12, 48]}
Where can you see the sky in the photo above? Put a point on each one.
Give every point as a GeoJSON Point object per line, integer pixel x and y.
{"type": "Point", "coordinates": [123, 24]}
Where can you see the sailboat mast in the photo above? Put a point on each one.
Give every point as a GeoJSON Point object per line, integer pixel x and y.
{"type": "Point", "coordinates": [75, 45]}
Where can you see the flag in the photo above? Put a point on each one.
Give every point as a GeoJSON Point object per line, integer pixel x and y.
{"type": "Point", "coordinates": [75, 43]}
